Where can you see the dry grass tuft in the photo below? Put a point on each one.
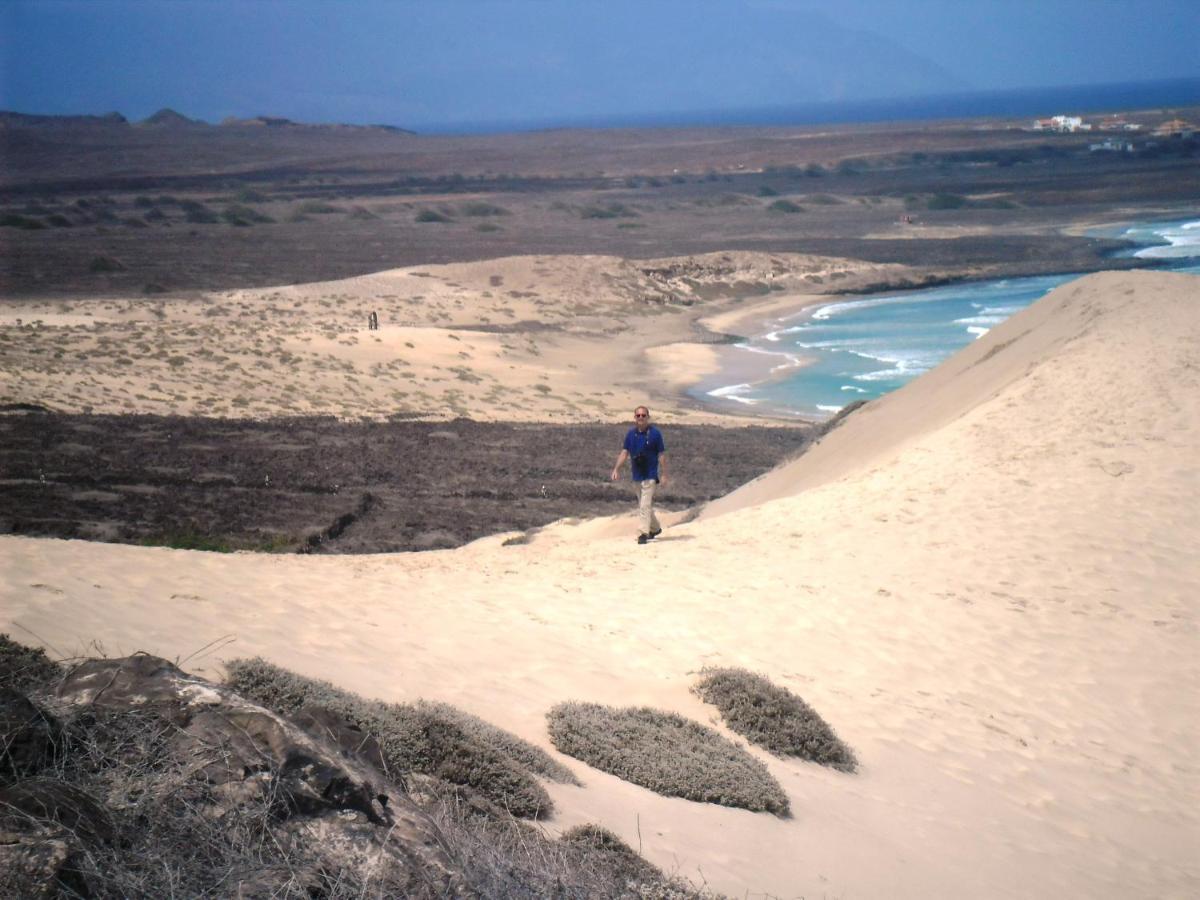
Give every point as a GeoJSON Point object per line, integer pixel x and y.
{"type": "Point", "coordinates": [773, 717]}
{"type": "Point", "coordinates": [25, 668]}
{"type": "Point", "coordinates": [432, 739]}
{"type": "Point", "coordinates": [666, 753]}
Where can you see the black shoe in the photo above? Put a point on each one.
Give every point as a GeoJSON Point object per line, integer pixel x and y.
{"type": "Point", "coordinates": [643, 538]}
{"type": "Point", "coordinates": [655, 533]}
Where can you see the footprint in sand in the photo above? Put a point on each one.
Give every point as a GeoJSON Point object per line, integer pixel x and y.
{"type": "Point", "coordinates": [1116, 468]}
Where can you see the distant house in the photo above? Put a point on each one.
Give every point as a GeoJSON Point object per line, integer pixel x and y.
{"type": "Point", "coordinates": [1061, 124]}
{"type": "Point", "coordinates": [1175, 128]}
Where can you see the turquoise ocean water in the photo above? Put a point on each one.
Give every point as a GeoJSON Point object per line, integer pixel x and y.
{"type": "Point", "coordinates": [819, 360]}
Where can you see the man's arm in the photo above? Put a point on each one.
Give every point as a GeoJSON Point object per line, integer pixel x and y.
{"type": "Point", "coordinates": [662, 467]}
{"type": "Point", "coordinates": [621, 457]}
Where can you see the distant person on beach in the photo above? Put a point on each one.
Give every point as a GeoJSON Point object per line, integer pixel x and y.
{"type": "Point", "coordinates": [647, 453]}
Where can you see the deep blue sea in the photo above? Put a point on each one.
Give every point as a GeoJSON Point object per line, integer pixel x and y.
{"type": "Point", "coordinates": [818, 360]}
{"type": "Point", "coordinates": [1014, 102]}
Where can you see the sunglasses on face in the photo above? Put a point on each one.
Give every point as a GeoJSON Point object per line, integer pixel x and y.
{"type": "Point", "coordinates": [640, 416]}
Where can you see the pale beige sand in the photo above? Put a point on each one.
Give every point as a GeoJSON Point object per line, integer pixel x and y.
{"type": "Point", "coordinates": [534, 338]}
{"type": "Point", "coordinates": [987, 582]}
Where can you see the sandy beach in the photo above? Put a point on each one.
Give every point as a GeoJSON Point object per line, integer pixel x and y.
{"type": "Point", "coordinates": [986, 581]}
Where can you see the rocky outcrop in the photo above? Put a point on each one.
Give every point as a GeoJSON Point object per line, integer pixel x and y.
{"type": "Point", "coordinates": [315, 790]}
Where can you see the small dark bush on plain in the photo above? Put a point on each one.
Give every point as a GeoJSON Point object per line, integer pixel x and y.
{"type": "Point", "coordinates": [105, 264]}
{"type": "Point", "coordinates": [479, 208]}
{"type": "Point", "coordinates": [785, 206]}
{"type": "Point", "coordinates": [58, 220]}
{"type": "Point", "coordinates": [197, 213]}
{"type": "Point", "coordinates": [243, 216]}
{"type": "Point", "coordinates": [946, 201]}
{"type": "Point", "coordinates": [14, 220]}
{"type": "Point", "coordinates": [773, 717]}
{"type": "Point", "coordinates": [432, 215]}
{"type": "Point", "coordinates": [319, 208]}
{"type": "Point", "coordinates": [421, 737]}
{"type": "Point", "coordinates": [608, 211]}
{"type": "Point", "coordinates": [666, 753]}
{"type": "Point", "coordinates": [25, 668]}
{"type": "Point", "coordinates": [767, 191]}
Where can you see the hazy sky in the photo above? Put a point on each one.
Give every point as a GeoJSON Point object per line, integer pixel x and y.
{"type": "Point", "coordinates": [429, 63]}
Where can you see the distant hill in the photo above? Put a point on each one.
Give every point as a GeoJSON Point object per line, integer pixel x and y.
{"type": "Point", "coordinates": [28, 120]}
{"type": "Point", "coordinates": [169, 118]}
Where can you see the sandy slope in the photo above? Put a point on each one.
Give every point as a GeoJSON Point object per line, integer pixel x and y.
{"type": "Point", "coordinates": [987, 582]}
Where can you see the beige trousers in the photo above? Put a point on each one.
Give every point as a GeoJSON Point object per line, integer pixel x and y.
{"type": "Point", "coordinates": [646, 516]}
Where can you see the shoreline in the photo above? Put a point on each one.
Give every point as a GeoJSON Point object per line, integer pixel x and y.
{"type": "Point", "coordinates": [731, 372]}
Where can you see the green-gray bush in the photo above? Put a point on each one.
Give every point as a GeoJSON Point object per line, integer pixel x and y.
{"type": "Point", "coordinates": [432, 215]}
{"type": "Point", "coordinates": [241, 215]}
{"type": "Point", "coordinates": [318, 208]}
{"type": "Point", "coordinates": [419, 737]}
{"type": "Point", "coordinates": [666, 753]}
{"type": "Point", "coordinates": [25, 668]}
{"type": "Point", "coordinates": [946, 201]}
{"type": "Point", "coordinates": [608, 211]}
{"type": "Point", "coordinates": [105, 264]}
{"type": "Point", "coordinates": [479, 208]}
{"type": "Point", "coordinates": [785, 206]}
{"type": "Point", "coordinates": [14, 220]}
{"type": "Point", "coordinates": [620, 859]}
{"type": "Point", "coordinates": [772, 717]}
{"type": "Point", "coordinates": [197, 213]}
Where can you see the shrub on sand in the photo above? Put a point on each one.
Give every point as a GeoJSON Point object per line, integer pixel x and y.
{"type": "Point", "coordinates": [772, 717]}
{"type": "Point", "coordinates": [429, 738]}
{"type": "Point", "coordinates": [666, 753]}
{"type": "Point", "coordinates": [620, 859]}
{"type": "Point", "coordinates": [25, 668]}
{"type": "Point", "coordinates": [505, 858]}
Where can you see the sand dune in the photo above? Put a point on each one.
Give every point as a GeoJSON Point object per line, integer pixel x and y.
{"type": "Point", "coordinates": [987, 582]}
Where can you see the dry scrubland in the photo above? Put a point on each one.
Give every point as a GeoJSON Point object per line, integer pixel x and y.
{"type": "Point", "coordinates": [90, 208]}
{"type": "Point", "coordinates": [526, 339]}
{"type": "Point", "coordinates": [985, 584]}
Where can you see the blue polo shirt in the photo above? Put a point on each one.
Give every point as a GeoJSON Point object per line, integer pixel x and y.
{"type": "Point", "coordinates": [643, 448]}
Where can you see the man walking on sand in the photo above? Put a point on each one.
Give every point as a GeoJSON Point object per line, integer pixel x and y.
{"type": "Point", "coordinates": [647, 453]}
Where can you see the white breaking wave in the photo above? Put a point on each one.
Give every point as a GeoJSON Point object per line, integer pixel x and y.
{"type": "Point", "coordinates": [853, 387]}
{"type": "Point", "coordinates": [1183, 240]}
{"type": "Point", "coordinates": [978, 331]}
{"type": "Point", "coordinates": [734, 392]}
{"type": "Point", "coordinates": [980, 320]}
{"type": "Point", "coordinates": [823, 408]}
